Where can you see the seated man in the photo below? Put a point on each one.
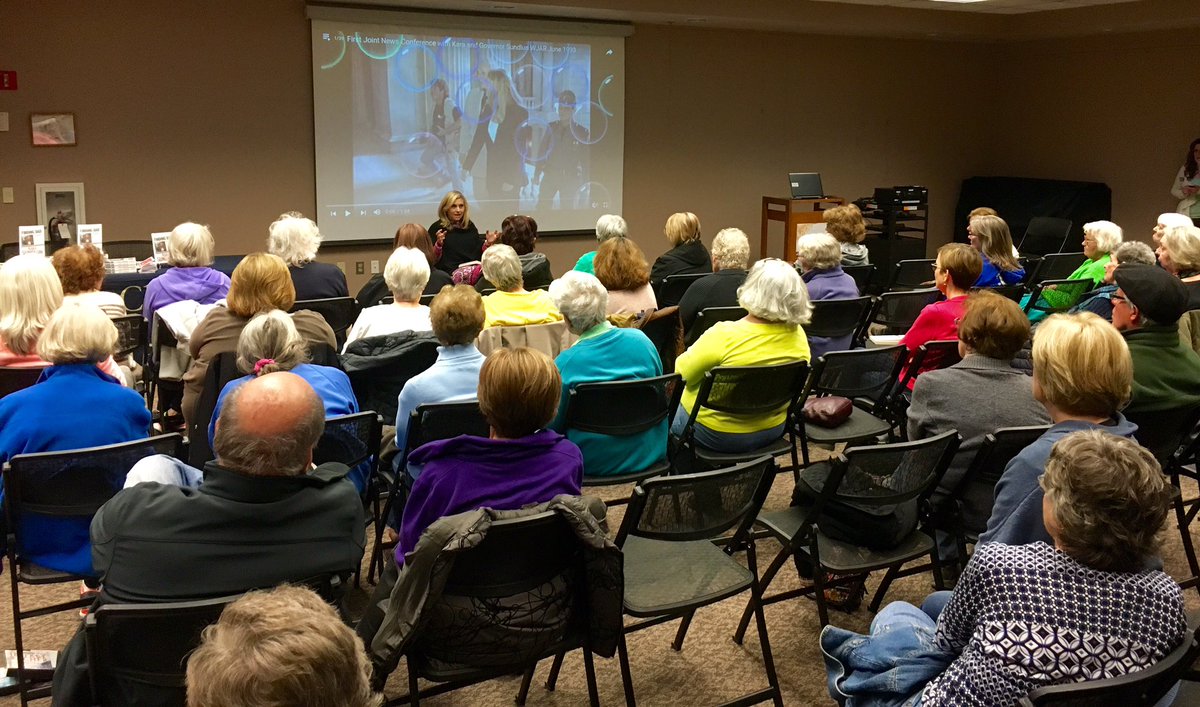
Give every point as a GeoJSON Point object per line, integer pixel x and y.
{"type": "Point", "coordinates": [263, 516]}
{"type": "Point", "coordinates": [730, 261]}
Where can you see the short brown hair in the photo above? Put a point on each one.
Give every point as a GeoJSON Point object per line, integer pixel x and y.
{"type": "Point", "coordinates": [259, 283]}
{"type": "Point", "coordinates": [518, 391]}
{"type": "Point", "coordinates": [412, 235]}
{"type": "Point", "coordinates": [1082, 364]}
{"type": "Point", "coordinates": [80, 268]}
{"type": "Point", "coordinates": [520, 232]}
{"type": "Point", "coordinates": [845, 223]}
{"type": "Point", "coordinates": [283, 646]}
{"type": "Point", "coordinates": [457, 315]}
{"type": "Point", "coordinates": [1110, 499]}
{"type": "Point", "coordinates": [621, 265]}
{"type": "Point", "coordinates": [993, 326]}
{"type": "Point", "coordinates": [962, 263]}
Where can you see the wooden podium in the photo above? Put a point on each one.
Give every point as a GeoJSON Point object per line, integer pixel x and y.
{"type": "Point", "coordinates": [792, 212]}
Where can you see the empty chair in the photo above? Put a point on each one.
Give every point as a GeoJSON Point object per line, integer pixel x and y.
{"type": "Point", "coordinates": [669, 290]}
{"type": "Point", "coordinates": [896, 311]}
{"type": "Point", "coordinates": [1055, 266]}
{"type": "Point", "coordinates": [863, 276]}
{"type": "Point", "coordinates": [131, 332]}
{"type": "Point", "coordinates": [912, 274]}
{"type": "Point", "coordinates": [707, 317]}
{"type": "Point", "coordinates": [338, 312]}
{"type": "Point", "coordinates": [1045, 235]}
{"type": "Point", "coordinates": [1016, 293]}
{"type": "Point", "coordinates": [834, 322]}
{"type": "Point", "coordinates": [128, 249]}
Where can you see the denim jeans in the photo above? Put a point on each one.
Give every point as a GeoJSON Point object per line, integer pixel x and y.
{"type": "Point", "coordinates": [164, 469]}
{"type": "Point", "coordinates": [731, 442]}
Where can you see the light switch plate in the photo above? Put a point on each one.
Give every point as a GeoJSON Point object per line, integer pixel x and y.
{"type": "Point", "coordinates": [3, 122]}
{"type": "Point", "coordinates": [8, 195]}
{"type": "Point", "coordinates": [374, 267]}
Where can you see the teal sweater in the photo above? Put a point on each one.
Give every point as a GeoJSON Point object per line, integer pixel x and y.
{"type": "Point", "coordinates": [1166, 374]}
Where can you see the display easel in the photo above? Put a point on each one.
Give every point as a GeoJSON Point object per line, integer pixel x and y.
{"type": "Point", "coordinates": [792, 212]}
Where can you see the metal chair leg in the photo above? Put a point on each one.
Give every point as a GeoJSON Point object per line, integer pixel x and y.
{"type": "Point", "coordinates": [526, 680]}
{"type": "Point", "coordinates": [884, 584]}
{"type": "Point", "coordinates": [555, 666]}
{"type": "Point", "coordinates": [776, 564]}
{"type": "Point", "coordinates": [686, 621]}
{"type": "Point", "coordinates": [589, 668]}
{"type": "Point", "coordinates": [626, 674]}
{"type": "Point", "coordinates": [761, 620]}
{"type": "Point", "coordinates": [414, 695]}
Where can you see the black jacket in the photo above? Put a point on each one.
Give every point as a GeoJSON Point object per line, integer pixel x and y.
{"type": "Point", "coordinates": [685, 258]}
{"type": "Point", "coordinates": [379, 366]}
{"type": "Point", "coordinates": [376, 289]}
{"type": "Point", "coordinates": [318, 281]}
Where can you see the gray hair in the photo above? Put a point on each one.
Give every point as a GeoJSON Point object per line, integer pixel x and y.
{"type": "Point", "coordinates": [610, 226]}
{"type": "Point", "coordinates": [406, 274]}
{"type": "Point", "coordinates": [78, 333]}
{"type": "Point", "coordinates": [502, 267]}
{"type": "Point", "coordinates": [774, 292]}
{"type": "Point", "coordinates": [191, 245]}
{"type": "Point", "coordinates": [582, 300]}
{"type": "Point", "coordinates": [285, 454]}
{"type": "Point", "coordinates": [294, 238]}
{"type": "Point", "coordinates": [1172, 219]}
{"type": "Point", "coordinates": [731, 249]}
{"type": "Point", "coordinates": [271, 335]}
{"type": "Point", "coordinates": [1183, 245]}
{"type": "Point", "coordinates": [1134, 252]}
{"type": "Point", "coordinates": [818, 251]}
{"type": "Point", "coordinates": [1108, 235]}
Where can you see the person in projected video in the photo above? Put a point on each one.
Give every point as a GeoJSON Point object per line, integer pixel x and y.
{"type": "Point", "coordinates": [561, 173]}
{"type": "Point", "coordinates": [445, 123]}
{"type": "Point", "coordinates": [505, 174]}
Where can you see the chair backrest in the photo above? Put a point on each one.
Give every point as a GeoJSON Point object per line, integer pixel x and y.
{"type": "Point", "coordinates": [862, 274]}
{"type": "Point", "coordinates": [1143, 688]}
{"type": "Point", "coordinates": [623, 408]}
{"type": "Point", "coordinates": [551, 338]}
{"type": "Point", "coordinates": [147, 645]}
{"type": "Point", "coordinates": [705, 318]}
{"type": "Point", "coordinates": [391, 299]}
{"type": "Point", "coordinates": [860, 373]}
{"type": "Point", "coordinates": [133, 297]}
{"type": "Point", "coordinates": [833, 318]}
{"type": "Point", "coordinates": [377, 385]}
{"type": "Point", "coordinates": [161, 337]}
{"type": "Point", "coordinates": [888, 474]}
{"type": "Point", "coordinates": [1164, 432]}
{"type": "Point", "coordinates": [8, 250]}
{"type": "Point", "coordinates": [931, 355]}
{"type": "Point", "coordinates": [131, 335]}
{"type": "Point", "coordinates": [349, 439]}
{"type": "Point", "coordinates": [1055, 266]}
{"type": "Point", "coordinates": [699, 506]}
{"type": "Point", "coordinates": [339, 313]}
{"type": "Point", "coordinates": [14, 378]}
{"type": "Point", "coordinates": [898, 310]}
{"type": "Point", "coordinates": [1066, 294]}
{"type": "Point", "coordinates": [663, 328]}
{"type": "Point", "coordinates": [752, 390]}
{"type": "Point", "coordinates": [433, 421]}
{"type": "Point", "coordinates": [994, 453]}
{"type": "Point", "coordinates": [670, 289]}
{"type": "Point", "coordinates": [128, 249]}
{"type": "Point", "coordinates": [912, 274]}
{"type": "Point", "coordinates": [221, 370]}
{"type": "Point", "coordinates": [1045, 235]}
{"type": "Point", "coordinates": [1013, 292]}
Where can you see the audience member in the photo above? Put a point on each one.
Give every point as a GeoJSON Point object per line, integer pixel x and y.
{"type": "Point", "coordinates": [511, 304]}
{"type": "Point", "coordinates": [1179, 254]}
{"type": "Point", "coordinates": [687, 254]}
{"type": "Point", "coordinates": [280, 647]}
{"type": "Point", "coordinates": [1099, 300]}
{"type": "Point", "coordinates": [191, 277]}
{"type": "Point", "coordinates": [1015, 620]}
{"type": "Point", "coordinates": [990, 236]}
{"type": "Point", "coordinates": [406, 273]}
{"type": "Point", "coordinates": [296, 239]}
{"type": "Point", "coordinates": [455, 238]}
{"type": "Point", "coordinates": [1146, 310]}
{"type": "Point", "coordinates": [848, 227]}
{"type": "Point", "coordinates": [1166, 222]}
{"type": "Point", "coordinates": [730, 261]}
{"type": "Point", "coordinates": [260, 283]}
{"type": "Point", "coordinates": [772, 333]}
{"type": "Point", "coordinates": [1082, 374]}
{"type": "Point", "coordinates": [622, 268]}
{"type": "Point", "coordinates": [603, 353]}
{"type": "Point", "coordinates": [820, 260]}
{"type": "Point", "coordinates": [264, 515]}
{"type": "Point", "coordinates": [520, 232]}
{"type": "Point", "coordinates": [957, 266]}
{"type": "Point", "coordinates": [81, 272]}
{"type": "Point", "coordinates": [607, 226]}
{"type": "Point", "coordinates": [1100, 238]}
{"type": "Point", "coordinates": [410, 235]}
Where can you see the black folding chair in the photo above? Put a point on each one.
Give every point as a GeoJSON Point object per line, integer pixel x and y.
{"type": "Point", "coordinates": [14, 378]}
{"type": "Point", "coordinates": [705, 318]}
{"type": "Point", "coordinates": [930, 356]}
{"type": "Point", "coordinates": [896, 311]}
{"type": "Point", "coordinates": [377, 380]}
{"type": "Point", "coordinates": [161, 338]}
{"type": "Point", "coordinates": [9, 250]}
{"type": "Point", "coordinates": [339, 313]}
{"type": "Point", "coordinates": [425, 299]}
{"type": "Point", "coordinates": [1045, 235]}
{"type": "Point", "coordinates": [912, 274]}
{"type": "Point", "coordinates": [624, 409]}
{"type": "Point", "coordinates": [1055, 266]}
{"type": "Point", "coordinates": [837, 318]}
{"type": "Point", "coordinates": [664, 329]}
{"type": "Point", "coordinates": [862, 274]}
{"type": "Point", "coordinates": [861, 478]}
{"type": "Point", "coordinates": [128, 249]}
{"type": "Point", "coordinates": [131, 335]}
{"type": "Point", "coordinates": [669, 290]}
{"type": "Point", "coordinates": [1180, 465]}
{"type": "Point", "coordinates": [67, 484]}
{"type": "Point", "coordinates": [354, 440]}
{"type": "Point", "coordinates": [1053, 296]}
{"type": "Point", "coordinates": [147, 646]}
{"type": "Point", "coordinates": [221, 371]}
{"type": "Point", "coordinates": [1016, 293]}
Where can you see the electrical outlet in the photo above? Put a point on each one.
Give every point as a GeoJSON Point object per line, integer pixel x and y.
{"type": "Point", "coordinates": [374, 267]}
{"type": "Point", "coordinates": [358, 267]}
{"type": "Point", "coordinates": [341, 265]}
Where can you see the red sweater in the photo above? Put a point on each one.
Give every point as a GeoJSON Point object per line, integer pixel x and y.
{"type": "Point", "coordinates": [937, 322]}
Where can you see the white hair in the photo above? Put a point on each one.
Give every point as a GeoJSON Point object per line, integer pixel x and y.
{"type": "Point", "coordinates": [190, 246]}
{"type": "Point", "coordinates": [582, 300]}
{"type": "Point", "coordinates": [406, 274]}
{"type": "Point", "coordinates": [1108, 235]}
{"type": "Point", "coordinates": [502, 267]}
{"type": "Point", "coordinates": [294, 238]}
{"type": "Point", "coordinates": [1172, 219]}
{"type": "Point", "coordinates": [30, 291]}
{"type": "Point", "coordinates": [774, 292]}
{"type": "Point", "coordinates": [78, 333]}
{"type": "Point", "coordinates": [610, 226]}
{"type": "Point", "coordinates": [818, 251]}
{"type": "Point", "coordinates": [731, 249]}
{"type": "Point", "coordinates": [271, 335]}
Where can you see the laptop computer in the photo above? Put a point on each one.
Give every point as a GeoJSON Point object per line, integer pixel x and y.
{"type": "Point", "coordinates": [806, 185]}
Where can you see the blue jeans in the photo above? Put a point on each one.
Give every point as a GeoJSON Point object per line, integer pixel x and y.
{"type": "Point", "coordinates": [164, 469]}
{"type": "Point", "coordinates": [732, 442]}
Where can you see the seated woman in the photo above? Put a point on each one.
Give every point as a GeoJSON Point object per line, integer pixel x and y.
{"type": "Point", "coordinates": [1166, 222]}
{"type": "Point", "coordinates": [848, 227]}
{"type": "Point", "coordinates": [260, 283]}
{"type": "Point", "coordinates": [81, 272]}
{"type": "Point", "coordinates": [296, 239]}
{"type": "Point", "coordinates": [406, 273]}
{"type": "Point", "coordinates": [519, 463]}
{"type": "Point", "coordinates": [730, 261]}
{"type": "Point", "coordinates": [989, 235]}
{"type": "Point", "coordinates": [1179, 254]}
{"type": "Point", "coordinates": [1099, 300]}
{"type": "Point", "coordinates": [190, 253]}
{"type": "Point", "coordinates": [603, 353]}
{"type": "Point", "coordinates": [456, 240]}
{"type": "Point", "coordinates": [511, 304]}
{"type": "Point", "coordinates": [410, 235]}
{"type": "Point", "coordinates": [74, 405]}
{"type": "Point", "coordinates": [1016, 619]}
{"type": "Point", "coordinates": [622, 269]}
{"type": "Point", "coordinates": [771, 333]}
{"type": "Point", "coordinates": [819, 258]}
{"type": "Point", "coordinates": [1100, 238]}
{"type": "Point", "coordinates": [520, 232]}
{"type": "Point", "coordinates": [607, 226]}
{"type": "Point", "coordinates": [687, 254]}
{"type": "Point", "coordinates": [956, 267]}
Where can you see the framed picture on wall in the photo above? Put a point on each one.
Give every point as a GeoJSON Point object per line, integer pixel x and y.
{"type": "Point", "coordinates": [60, 208]}
{"type": "Point", "coordinates": [52, 129]}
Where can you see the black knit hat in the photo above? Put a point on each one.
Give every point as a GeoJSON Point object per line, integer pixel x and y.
{"type": "Point", "coordinates": [1156, 293]}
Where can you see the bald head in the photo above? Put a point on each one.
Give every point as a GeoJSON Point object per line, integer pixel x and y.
{"type": "Point", "coordinates": [269, 426]}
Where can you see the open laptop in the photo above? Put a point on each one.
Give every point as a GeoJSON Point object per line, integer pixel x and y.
{"type": "Point", "coordinates": [806, 185]}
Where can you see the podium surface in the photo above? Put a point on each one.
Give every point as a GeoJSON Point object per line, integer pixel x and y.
{"type": "Point", "coordinates": [792, 212]}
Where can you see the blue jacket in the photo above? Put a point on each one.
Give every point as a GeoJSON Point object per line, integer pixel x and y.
{"type": "Point", "coordinates": [991, 276]}
{"type": "Point", "coordinates": [73, 406]}
{"type": "Point", "coordinates": [454, 376]}
{"type": "Point", "coordinates": [1017, 512]}
{"type": "Point", "coordinates": [833, 283]}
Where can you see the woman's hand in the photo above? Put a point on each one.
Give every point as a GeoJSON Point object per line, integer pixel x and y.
{"type": "Point", "coordinates": [441, 237]}
{"type": "Point", "coordinates": [491, 238]}
{"type": "Point", "coordinates": [1189, 190]}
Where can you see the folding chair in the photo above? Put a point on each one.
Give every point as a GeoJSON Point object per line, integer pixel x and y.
{"type": "Point", "coordinates": [896, 311]}
{"type": "Point", "coordinates": [161, 339]}
{"type": "Point", "coordinates": [131, 335]}
{"type": "Point", "coordinates": [221, 371]}
{"type": "Point", "coordinates": [664, 330]}
{"type": "Point", "coordinates": [1182, 464]}
{"type": "Point", "coordinates": [1016, 293]}
{"type": "Point", "coordinates": [669, 290]}
{"type": "Point", "coordinates": [861, 478]}
{"type": "Point", "coordinates": [862, 274]}
{"type": "Point", "coordinates": [1045, 235]}
{"type": "Point", "coordinates": [339, 313]}
{"type": "Point", "coordinates": [838, 319]}
{"type": "Point", "coordinates": [128, 249]}
{"type": "Point", "coordinates": [67, 484]}
{"type": "Point", "coordinates": [930, 356]}
{"type": "Point", "coordinates": [1055, 266]}
{"type": "Point", "coordinates": [378, 379]}
{"type": "Point", "coordinates": [705, 318]}
{"type": "Point", "coordinates": [354, 440]}
{"type": "Point", "coordinates": [1063, 296]}
{"type": "Point", "coordinates": [14, 378]}
{"type": "Point", "coordinates": [912, 274]}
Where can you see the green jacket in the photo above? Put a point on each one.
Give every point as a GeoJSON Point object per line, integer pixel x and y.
{"type": "Point", "coordinates": [1166, 374]}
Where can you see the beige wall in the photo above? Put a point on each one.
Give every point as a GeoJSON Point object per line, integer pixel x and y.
{"type": "Point", "coordinates": [205, 112]}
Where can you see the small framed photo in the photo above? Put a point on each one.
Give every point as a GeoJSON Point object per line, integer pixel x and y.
{"type": "Point", "coordinates": [52, 129]}
{"type": "Point", "coordinates": [60, 208]}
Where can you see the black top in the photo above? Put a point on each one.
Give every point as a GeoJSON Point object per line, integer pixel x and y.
{"type": "Point", "coordinates": [462, 245]}
{"type": "Point", "coordinates": [686, 258]}
{"type": "Point", "coordinates": [716, 290]}
{"type": "Point", "coordinates": [376, 289]}
{"type": "Point", "coordinates": [318, 281]}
